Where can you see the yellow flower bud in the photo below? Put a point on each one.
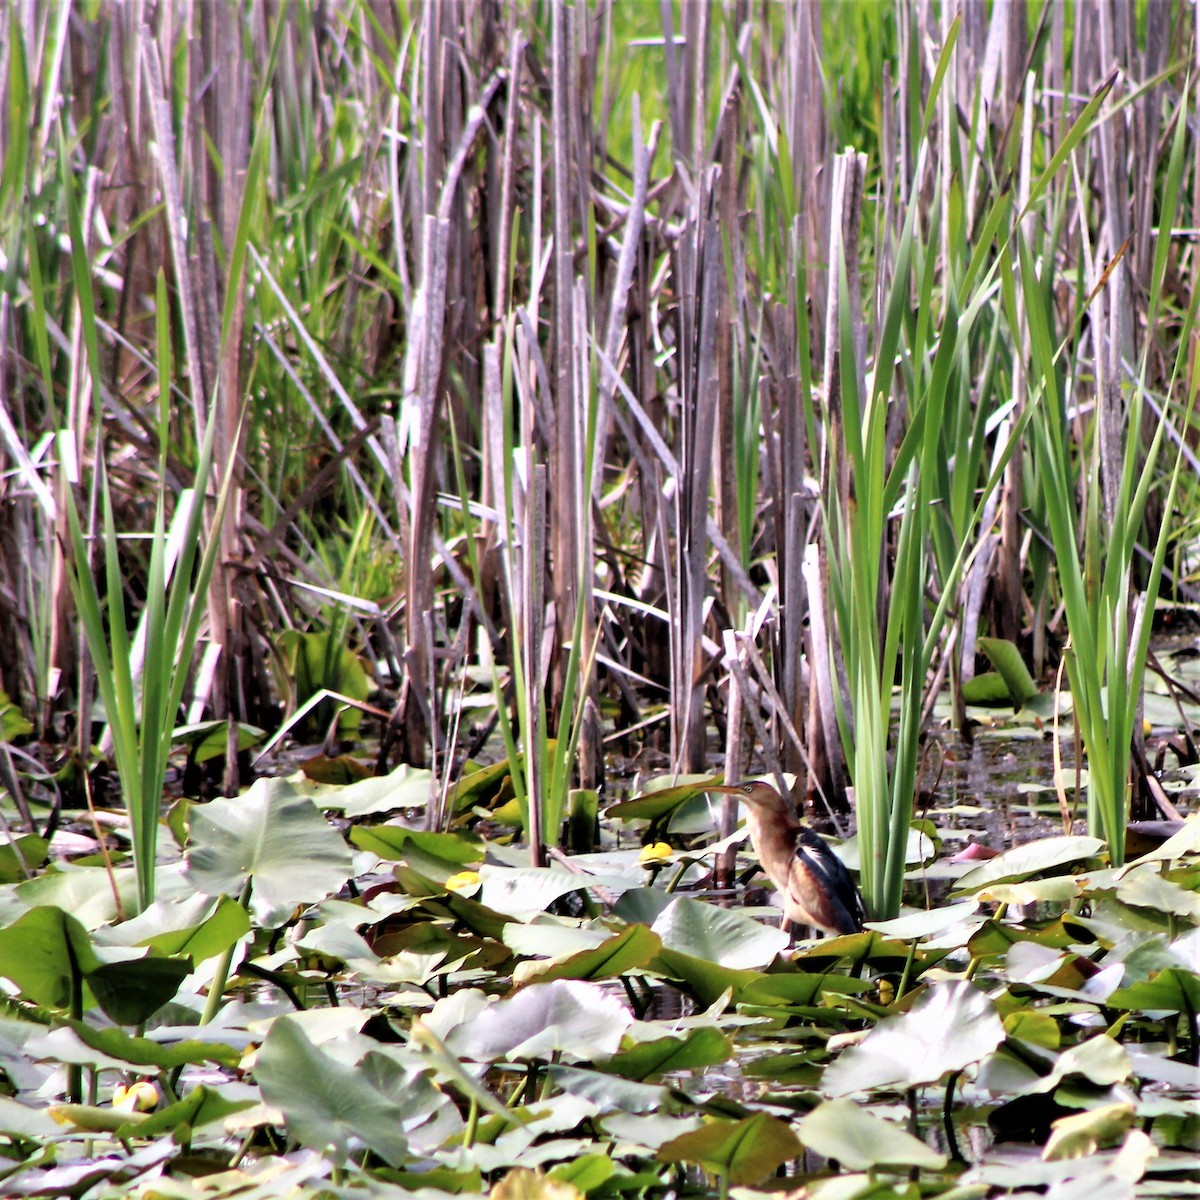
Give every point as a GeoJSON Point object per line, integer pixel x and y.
{"type": "Point", "coordinates": [464, 882]}
{"type": "Point", "coordinates": [656, 852]}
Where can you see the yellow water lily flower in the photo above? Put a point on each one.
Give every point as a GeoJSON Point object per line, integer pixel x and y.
{"type": "Point", "coordinates": [655, 852]}
{"type": "Point", "coordinates": [464, 882]}
{"type": "Point", "coordinates": [137, 1097]}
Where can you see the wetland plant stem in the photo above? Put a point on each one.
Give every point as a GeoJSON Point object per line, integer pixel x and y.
{"type": "Point", "coordinates": [677, 878]}
{"type": "Point", "coordinates": [472, 1123]}
{"type": "Point", "coordinates": [906, 974]}
{"type": "Point", "coordinates": [216, 989]}
{"type": "Point", "coordinates": [948, 1118]}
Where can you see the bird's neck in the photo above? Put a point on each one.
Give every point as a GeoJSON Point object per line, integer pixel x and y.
{"type": "Point", "coordinates": [772, 832]}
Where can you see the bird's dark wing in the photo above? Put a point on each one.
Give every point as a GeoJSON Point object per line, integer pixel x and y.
{"type": "Point", "coordinates": [821, 886]}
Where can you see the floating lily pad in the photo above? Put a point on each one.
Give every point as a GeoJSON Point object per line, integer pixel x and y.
{"type": "Point", "coordinates": [574, 1020]}
{"type": "Point", "coordinates": [628, 950]}
{"type": "Point", "coordinates": [744, 1152]}
{"type": "Point", "coordinates": [1033, 858]}
{"type": "Point", "coordinates": [273, 837]}
{"type": "Point", "coordinates": [860, 1140]}
{"type": "Point", "coordinates": [950, 1027]}
{"type": "Point", "coordinates": [719, 935]}
{"type": "Point", "coordinates": [703, 1047]}
{"type": "Point", "coordinates": [326, 1103]}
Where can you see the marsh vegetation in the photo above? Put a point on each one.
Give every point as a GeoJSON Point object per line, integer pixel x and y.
{"type": "Point", "coordinates": [435, 439]}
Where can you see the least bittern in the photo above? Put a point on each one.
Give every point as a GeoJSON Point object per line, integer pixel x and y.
{"type": "Point", "coordinates": [816, 887]}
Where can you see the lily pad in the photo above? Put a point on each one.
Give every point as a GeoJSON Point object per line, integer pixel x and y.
{"type": "Point", "coordinates": [395, 842]}
{"type": "Point", "coordinates": [405, 787]}
{"type": "Point", "coordinates": [1171, 990]}
{"type": "Point", "coordinates": [719, 935]}
{"type": "Point", "coordinates": [1033, 858]}
{"type": "Point", "coordinates": [50, 957]}
{"type": "Point", "coordinates": [862, 1141]}
{"type": "Point", "coordinates": [950, 1027]}
{"type": "Point", "coordinates": [743, 1152]}
{"type": "Point", "coordinates": [1009, 664]}
{"type": "Point", "coordinates": [576, 1021]}
{"type": "Point", "coordinates": [628, 950]}
{"type": "Point", "coordinates": [703, 1047]}
{"type": "Point", "coordinates": [1082, 1134]}
{"type": "Point", "coordinates": [916, 925]}
{"type": "Point", "coordinates": [273, 837]}
{"type": "Point", "coordinates": [326, 1103]}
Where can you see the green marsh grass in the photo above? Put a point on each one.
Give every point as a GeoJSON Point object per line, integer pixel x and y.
{"type": "Point", "coordinates": [1108, 596]}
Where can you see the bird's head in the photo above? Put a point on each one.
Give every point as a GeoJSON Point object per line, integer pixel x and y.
{"type": "Point", "coordinates": [756, 793]}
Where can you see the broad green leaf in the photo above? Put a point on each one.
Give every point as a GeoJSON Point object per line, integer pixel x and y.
{"type": "Point", "coordinates": [1146, 888]}
{"type": "Point", "coordinates": [210, 739]}
{"type": "Point", "coordinates": [1061, 889]}
{"type": "Point", "coordinates": [743, 1152]}
{"type": "Point", "coordinates": [707, 981]}
{"type": "Point", "coordinates": [719, 935]}
{"type": "Point", "coordinates": [96, 1118]}
{"type": "Point", "coordinates": [335, 771]}
{"type": "Point", "coordinates": [47, 953]}
{"type": "Point", "coordinates": [440, 1181]}
{"type": "Point", "coordinates": [1082, 1134]}
{"type": "Point", "coordinates": [800, 988]}
{"type": "Point", "coordinates": [274, 838]}
{"type": "Point", "coordinates": [161, 1055]}
{"type": "Point", "coordinates": [586, 1173]}
{"type": "Point", "coordinates": [1007, 660]}
{"type": "Point", "coordinates": [85, 892]}
{"type": "Point", "coordinates": [1171, 990]}
{"type": "Point", "coordinates": [862, 1141]}
{"type": "Point", "coordinates": [1037, 1028]}
{"type": "Point", "coordinates": [485, 785]}
{"type": "Point", "coordinates": [661, 802]}
{"type": "Point", "coordinates": [642, 905]}
{"type": "Point", "coordinates": [986, 690]}
{"type": "Point", "coordinates": [703, 1047]}
{"type": "Point", "coordinates": [950, 1027]}
{"type": "Point", "coordinates": [649, 1129]}
{"type": "Point", "coordinates": [201, 1106]}
{"type": "Point", "coordinates": [21, 857]}
{"type": "Point", "coordinates": [130, 992]}
{"type": "Point", "coordinates": [867, 946]}
{"type": "Point", "coordinates": [1185, 841]}
{"type": "Point", "coordinates": [552, 942]}
{"type": "Point", "coordinates": [14, 725]}
{"type": "Point", "coordinates": [327, 1104]}
{"type": "Point", "coordinates": [404, 788]}
{"type": "Point", "coordinates": [576, 1021]}
{"type": "Point", "coordinates": [523, 892]}
{"type": "Point", "coordinates": [996, 938]}
{"type": "Point", "coordinates": [1033, 858]}
{"type": "Point", "coordinates": [912, 926]}
{"type": "Point", "coordinates": [394, 842]}
{"type": "Point", "coordinates": [1100, 1060]}
{"type": "Point", "coordinates": [196, 926]}
{"type": "Point", "coordinates": [611, 1093]}
{"type": "Point", "coordinates": [523, 1184]}
{"type": "Point", "coordinates": [632, 948]}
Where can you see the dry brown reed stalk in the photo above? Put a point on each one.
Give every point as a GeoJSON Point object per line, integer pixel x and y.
{"type": "Point", "coordinates": [480, 210]}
